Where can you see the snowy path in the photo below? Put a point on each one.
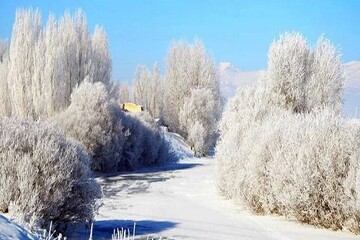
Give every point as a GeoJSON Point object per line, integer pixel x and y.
{"type": "Point", "coordinates": [180, 202]}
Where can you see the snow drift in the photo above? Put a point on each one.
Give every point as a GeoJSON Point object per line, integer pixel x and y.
{"type": "Point", "coordinates": [12, 231]}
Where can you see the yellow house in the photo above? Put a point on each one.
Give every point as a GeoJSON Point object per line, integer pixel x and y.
{"type": "Point", "coordinates": [131, 107]}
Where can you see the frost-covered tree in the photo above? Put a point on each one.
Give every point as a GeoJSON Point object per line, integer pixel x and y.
{"type": "Point", "coordinates": [74, 54]}
{"type": "Point", "coordinates": [124, 93]}
{"type": "Point", "coordinates": [50, 73]}
{"type": "Point", "coordinates": [326, 80]}
{"type": "Point", "coordinates": [141, 86]}
{"type": "Point", "coordinates": [306, 79]}
{"type": "Point", "coordinates": [84, 54]}
{"type": "Point", "coordinates": [147, 89]}
{"type": "Point", "coordinates": [101, 59]}
{"type": "Point", "coordinates": [26, 30]}
{"type": "Point", "coordinates": [5, 104]}
{"type": "Point", "coordinates": [38, 96]}
{"type": "Point", "coordinates": [157, 96]}
{"type": "Point", "coordinates": [196, 117]}
{"type": "Point", "coordinates": [287, 73]}
{"type": "Point", "coordinates": [188, 68]}
{"type": "Point", "coordinates": [177, 86]}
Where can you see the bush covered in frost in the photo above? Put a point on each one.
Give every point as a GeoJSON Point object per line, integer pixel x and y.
{"type": "Point", "coordinates": [43, 176]}
{"type": "Point", "coordinates": [116, 140]}
{"type": "Point", "coordinates": [303, 166]}
{"type": "Point", "coordinates": [244, 112]}
{"type": "Point", "coordinates": [93, 121]}
{"type": "Point", "coordinates": [284, 147]}
{"type": "Point", "coordinates": [144, 144]}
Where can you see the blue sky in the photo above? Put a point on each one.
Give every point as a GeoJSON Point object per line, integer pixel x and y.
{"type": "Point", "coordinates": [240, 32]}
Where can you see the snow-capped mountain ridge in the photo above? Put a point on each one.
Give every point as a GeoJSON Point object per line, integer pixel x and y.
{"type": "Point", "coordinates": [352, 73]}
{"type": "Point", "coordinates": [232, 78]}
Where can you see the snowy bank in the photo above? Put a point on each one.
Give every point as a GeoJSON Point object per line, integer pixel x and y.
{"type": "Point", "coordinates": [10, 230]}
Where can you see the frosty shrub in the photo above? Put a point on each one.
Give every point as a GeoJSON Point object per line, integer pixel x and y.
{"type": "Point", "coordinates": [43, 176]}
{"type": "Point", "coordinates": [246, 111]}
{"type": "Point", "coordinates": [94, 121]}
{"type": "Point", "coordinates": [305, 167]}
{"type": "Point", "coordinates": [190, 81]}
{"type": "Point", "coordinates": [116, 140]}
{"type": "Point", "coordinates": [284, 147]}
{"type": "Point", "coordinates": [145, 144]}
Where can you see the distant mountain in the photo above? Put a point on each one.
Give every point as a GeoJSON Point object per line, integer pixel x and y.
{"type": "Point", "coordinates": [352, 72]}
{"type": "Point", "coordinates": [232, 79]}
{"type": "Point", "coordinates": [352, 89]}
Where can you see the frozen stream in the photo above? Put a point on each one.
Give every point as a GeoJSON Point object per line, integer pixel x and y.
{"type": "Point", "coordinates": [179, 201]}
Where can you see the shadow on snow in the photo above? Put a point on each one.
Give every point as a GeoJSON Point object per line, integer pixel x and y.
{"type": "Point", "coordinates": [140, 180]}
{"type": "Point", "coordinates": [152, 169]}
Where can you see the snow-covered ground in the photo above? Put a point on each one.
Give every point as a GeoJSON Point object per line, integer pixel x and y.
{"type": "Point", "coordinates": [179, 201]}
{"type": "Point", "coordinates": [12, 231]}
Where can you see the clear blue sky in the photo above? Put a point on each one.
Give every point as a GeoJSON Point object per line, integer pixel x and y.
{"type": "Point", "coordinates": [140, 32]}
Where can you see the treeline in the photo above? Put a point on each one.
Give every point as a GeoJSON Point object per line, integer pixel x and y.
{"type": "Point", "coordinates": [285, 148]}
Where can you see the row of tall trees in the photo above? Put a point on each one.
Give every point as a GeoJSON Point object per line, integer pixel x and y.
{"type": "Point", "coordinates": [41, 66]}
